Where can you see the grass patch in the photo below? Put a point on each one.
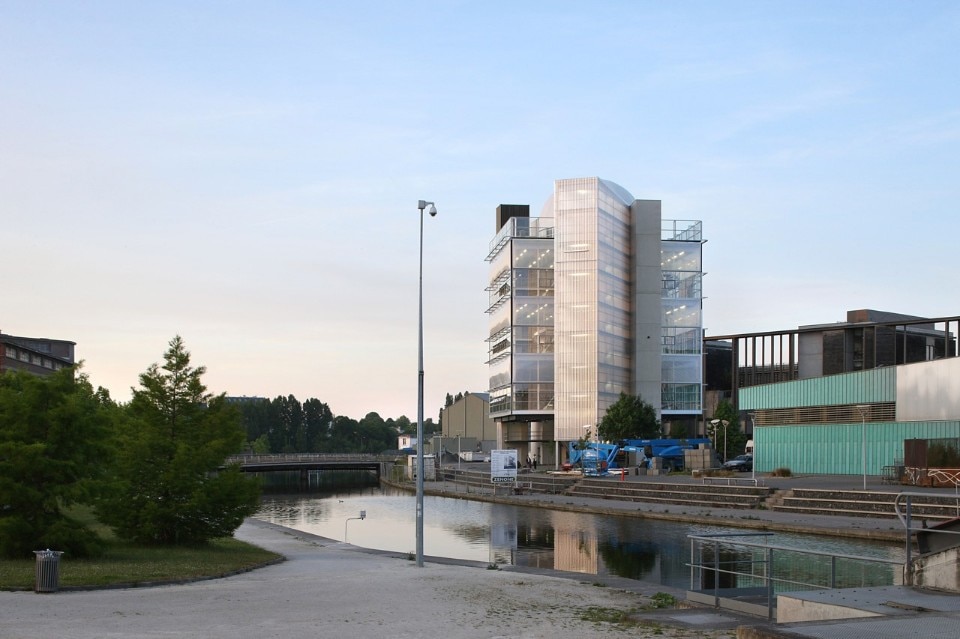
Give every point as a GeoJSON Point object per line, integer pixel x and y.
{"type": "Point", "coordinates": [128, 564]}
{"type": "Point", "coordinates": [125, 563]}
{"type": "Point", "coordinates": [597, 614]}
{"type": "Point", "coordinates": [663, 600]}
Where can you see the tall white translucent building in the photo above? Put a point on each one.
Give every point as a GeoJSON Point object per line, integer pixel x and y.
{"type": "Point", "coordinates": [596, 296]}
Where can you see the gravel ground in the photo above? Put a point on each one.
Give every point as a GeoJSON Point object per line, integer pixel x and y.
{"type": "Point", "coordinates": [328, 589]}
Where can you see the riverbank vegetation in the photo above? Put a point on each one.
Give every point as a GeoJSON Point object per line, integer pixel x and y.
{"type": "Point", "coordinates": [152, 470]}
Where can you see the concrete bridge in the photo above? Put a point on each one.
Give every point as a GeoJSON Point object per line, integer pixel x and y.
{"type": "Point", "coordinates": [305, 462]}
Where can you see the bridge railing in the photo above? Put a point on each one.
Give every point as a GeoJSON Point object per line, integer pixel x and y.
{"type": "Point", "coordinates": [308, 457]}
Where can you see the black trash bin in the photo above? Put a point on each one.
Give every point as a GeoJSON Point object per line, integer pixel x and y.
{"type": "Point", "coordinates": [48, 570]}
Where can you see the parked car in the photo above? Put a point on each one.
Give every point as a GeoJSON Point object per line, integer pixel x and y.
{"type": "Point", "coordinates": [741, 463]}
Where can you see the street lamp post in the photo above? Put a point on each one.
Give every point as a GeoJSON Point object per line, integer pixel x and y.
{"type": "Point", "coordinates": [463, 431]}
{"type": "Point", "coordinates": [586, 446]}
{"type": "Point", "coordinates": [363, 515]}
{"type": "Point", "coordinates": [724, 423]}
{"type": "Point", "coordinates": [432, 210]}
{"type": "Point", "coordinates": [863, 441]}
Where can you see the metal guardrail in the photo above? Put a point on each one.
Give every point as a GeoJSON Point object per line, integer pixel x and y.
{"type": "Point", "coordinates": [906, 518]}
{"type": "Point", "coordinates": [732, 481]}
{"type": "Point", "coordinates": [751, 570]}
{"type": "Point", "coordinates": [478, 482]}
{"type": "Point", "coordinates": [309, 457]}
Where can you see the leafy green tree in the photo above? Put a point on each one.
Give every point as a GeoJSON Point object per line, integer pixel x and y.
{"type": "Point", "coordinates": [376, 434]}
{"type": "Point", "coordinates": [344, 435]}
{"type": "Point", "coordinates": [260, 446]}
{"type": "Point", "coordinates": [255, 417]}
{"type": "Point", "coordinates": [402, 425]}
{"type": "Point", "coordinates": [731, 437]}
{"type": "Point", "coordinates": [53, 441]}
{"type": "Point", "coordinates": [317, 419]}
{"type": "Point", "coordinates": [629, 418]}
{"type": "Point", "coordinates": [290, 413]}
{"type": "Point", "coordinates": [170, 485]}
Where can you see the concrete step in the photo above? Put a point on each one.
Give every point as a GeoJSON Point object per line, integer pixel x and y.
{"type": "Point", "coordinates": [821, 510]}
{"type": "Point", "coordinates": [863, 503]}
{"type": "Point", "coordinates": [663, 499]}
{"type": "Point", "coordinates": [709, 495]}
{"type": "Point", "coordinates": [693, 488]}
{"type": "Point", "coordinates": [776, 498]}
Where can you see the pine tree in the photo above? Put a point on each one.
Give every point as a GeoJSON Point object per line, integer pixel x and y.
{"type": "Point", "coordinates": [171, 486]}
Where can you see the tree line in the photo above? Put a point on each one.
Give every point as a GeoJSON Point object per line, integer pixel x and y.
{"type": "Point", "coordinates": [285, 425]}
{"type": "Point", "coordinates": [153, 470]}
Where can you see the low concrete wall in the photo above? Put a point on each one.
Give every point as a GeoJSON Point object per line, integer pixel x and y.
{"type": "Point", "coordinates": [939, 571]}
{"type": "Point", "coordinates": [790, 609]}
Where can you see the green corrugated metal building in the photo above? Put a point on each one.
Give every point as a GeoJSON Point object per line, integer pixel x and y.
{"type": "Point", "coordinates": [852, 423]}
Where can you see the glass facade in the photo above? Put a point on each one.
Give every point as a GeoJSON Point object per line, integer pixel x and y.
{"type": "Point", "coordinates": [561, 294]}
{"type": "Point", "coordinates": [593, 301]}
{"type": "Point", "coordinates": [681, 333]}
{"type": "Point", "coordinates": [521, 307]}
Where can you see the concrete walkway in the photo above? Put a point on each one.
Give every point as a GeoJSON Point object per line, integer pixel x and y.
{"type": "Point", "coordinates": [329, 589]}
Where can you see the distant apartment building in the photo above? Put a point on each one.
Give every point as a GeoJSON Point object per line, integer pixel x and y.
{"type": "Point", "coordinates": [598, 295]}
{"type": "Point", "coordinates": [37, 355]}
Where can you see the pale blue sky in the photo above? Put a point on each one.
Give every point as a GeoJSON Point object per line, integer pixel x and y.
{"type": "Point", "coordinates": [245, 174]}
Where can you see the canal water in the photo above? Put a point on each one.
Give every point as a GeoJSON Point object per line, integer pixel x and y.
{"type": "Point", "coordinates": [648, 550]}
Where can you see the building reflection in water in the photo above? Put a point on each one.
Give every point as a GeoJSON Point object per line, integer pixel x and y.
{"type": "Point", "coordinates": [628, 547]}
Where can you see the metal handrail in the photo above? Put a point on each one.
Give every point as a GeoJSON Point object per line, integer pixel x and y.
{"type": "Point", "coordinates": [819, 553]}
{"type": "Point", "coordinates": [907, 520]}
{"type": "Point", "coordinates": [715, 541]}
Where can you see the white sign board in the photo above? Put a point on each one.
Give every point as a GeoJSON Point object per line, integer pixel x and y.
{"type": "Point", "coordinates": [503, 466]}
